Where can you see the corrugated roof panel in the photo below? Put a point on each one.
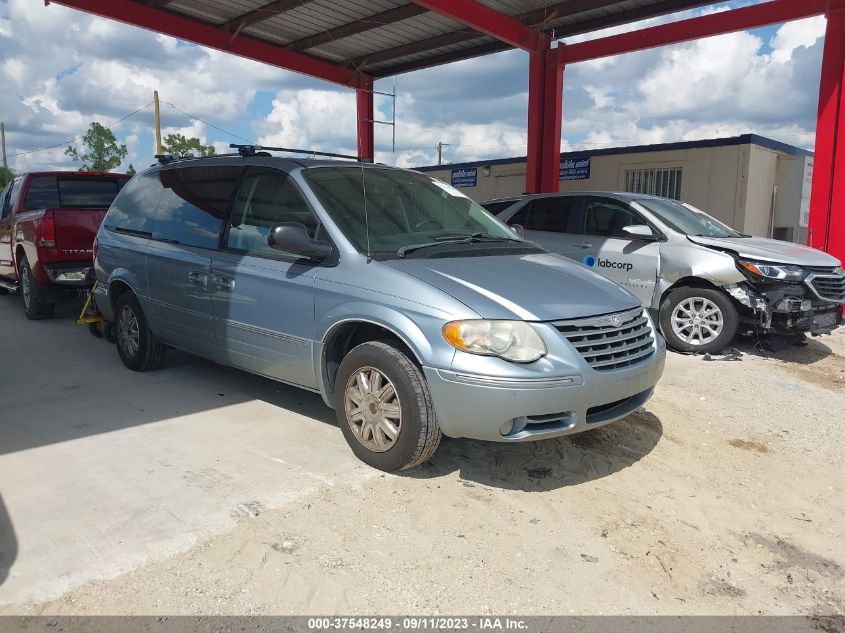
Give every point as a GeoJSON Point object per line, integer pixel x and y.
{"type": "Point", "coordinates": [400, 33]}
{"type": "Point", "coordinates": [316, 16]}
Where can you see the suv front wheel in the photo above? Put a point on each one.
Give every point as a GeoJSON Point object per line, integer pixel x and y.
{"type": "Point", "coordinates": [698, 320]}
{"type": "Point", "coordinates": [384, 407]}
{"type": "Point", "coordinates": [136, 345]}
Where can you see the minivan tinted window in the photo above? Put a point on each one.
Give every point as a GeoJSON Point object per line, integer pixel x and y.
{"type": "Point", "coordinates": [193, 204]}
{"type": "Point", "coordinates": [50, 192]}
{"type": "Point", "coordinates": [134, 210]}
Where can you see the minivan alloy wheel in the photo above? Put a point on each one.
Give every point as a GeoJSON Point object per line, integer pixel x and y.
{"type": "Point", "coordinates": [372, 409]}
{"type": "Point", "coordinates": [128, 332]}
{"type": "Point", "coordinates": [697, 321]}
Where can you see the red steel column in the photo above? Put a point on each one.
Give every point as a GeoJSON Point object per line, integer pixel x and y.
{"type": "Point", "coordinates": [366, 116]}
{"type": "Point", "coordinates": [827, 204]}
{"type": "Point", "coordinates": [552, 126]}
{"type": "Point", "coordinates": [545, 110]}
{"type": "Point", "coordinates": [536, 120]}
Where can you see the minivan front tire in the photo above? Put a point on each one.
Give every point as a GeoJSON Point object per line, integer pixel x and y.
{"type": "Point", "coordinates": [138, 348]}
{"type": "Point", "coordinates": [702, 320]}
{"type": "Point", "coordinates": [384, 407]}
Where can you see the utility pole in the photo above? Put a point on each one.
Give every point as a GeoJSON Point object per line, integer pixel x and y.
{"type": "Point", "coordinates": [440, 147]}
{"type": "Point", "coordinates": [3, 140]}
{"type": "Point", "coordinates": [159, 149]}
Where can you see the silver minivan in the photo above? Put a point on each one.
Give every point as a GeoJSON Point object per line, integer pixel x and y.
{"type": "Point", "coordinates": [408, 307]}
{"type": "Point", "coordinates": [704, 280]}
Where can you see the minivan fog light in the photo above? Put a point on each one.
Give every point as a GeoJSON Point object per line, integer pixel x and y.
{"type": "Point", "coordinates": [515, 341]}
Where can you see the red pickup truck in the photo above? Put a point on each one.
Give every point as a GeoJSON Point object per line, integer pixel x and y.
{"type": "Point", "coordinates": [48, 221]}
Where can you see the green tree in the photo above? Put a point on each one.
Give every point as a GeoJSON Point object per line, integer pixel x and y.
{"type": "Point", "coordinates": [6, 175]}
{"type": "Point", "coordinates": [101, 151]}
{"type": "Point", "coordinates": [131, 171]}
{"type": "Point", "coordinates": [180, 145]}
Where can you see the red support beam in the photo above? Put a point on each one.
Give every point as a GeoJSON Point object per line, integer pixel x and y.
{"type": "Point", "coordinates": [137, 14]}
{"type": "Point", "coordinates": [545, 113]}
{"type": "Point", "coordinates": [552, 126]}
{"type": "Point", "coordinates": [752, 17]}
{"type": "Point", "coordinates": [827, 203]}
{"type": "Point", "coordinates": [482, 18]}
{"type": "Point", "coordinates": [536, 120]}
{"type": "Point", "coordinates": [366, 125]}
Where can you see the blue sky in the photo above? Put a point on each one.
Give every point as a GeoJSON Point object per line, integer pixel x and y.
{"type": "Point", "coordinates": [62, 69]}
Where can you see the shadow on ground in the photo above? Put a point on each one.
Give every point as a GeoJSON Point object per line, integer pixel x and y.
{"type": "Point", "coordinates": [783, 348]}
{"type": "Point", "coordinates": [549, 464]}
{"type": "Point", "coordinates": [8, 543]}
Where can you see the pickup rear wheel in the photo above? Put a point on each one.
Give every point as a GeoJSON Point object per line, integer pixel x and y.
{"type": "Point", "coordinates": [138, 348]}
{"type": "Point", "coordinates": [698, 320]}
{"type": "Point", "coordinates": [34, 306]}
{"type": "Point", "coordinates": [384, 407]}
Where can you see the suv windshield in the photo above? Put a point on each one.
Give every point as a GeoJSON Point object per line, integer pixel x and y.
{"type": "Point", "coordinates": [687, 219]}
{"type": "Point", "coordinates": [404, 210]}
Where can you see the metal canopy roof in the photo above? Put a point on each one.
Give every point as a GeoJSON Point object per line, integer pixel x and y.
{"type": "Point", "coordinates": [386, 37]}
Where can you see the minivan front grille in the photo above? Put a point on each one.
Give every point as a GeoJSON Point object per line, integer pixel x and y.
{"type": "Point", "coordinates": [611, 341]}
{"type": "Point", "coordinates": [831, 288]}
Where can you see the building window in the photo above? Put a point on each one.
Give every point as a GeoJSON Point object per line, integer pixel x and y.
{"type": "Point", "coordinates": [655, 182]}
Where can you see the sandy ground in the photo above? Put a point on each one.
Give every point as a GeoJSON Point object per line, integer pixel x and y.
{"type": "Point", "coordinates": [723, 495]}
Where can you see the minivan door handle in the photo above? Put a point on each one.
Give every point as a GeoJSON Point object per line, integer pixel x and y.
{"type": "Point", "coordinates": [583, 245]}
{"type": "Point", "coordinates": [223, 283]}
{"type": "Point", "coordinates": [198, 278]}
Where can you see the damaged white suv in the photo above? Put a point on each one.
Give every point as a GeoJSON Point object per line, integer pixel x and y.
{"type": "Point", "coordinates": [706, 281]}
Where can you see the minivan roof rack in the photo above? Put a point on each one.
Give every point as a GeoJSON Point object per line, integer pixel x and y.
{"type": "Point", "coordinates": [253, 150]}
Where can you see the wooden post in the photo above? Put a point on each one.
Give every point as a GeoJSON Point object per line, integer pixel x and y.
{"type": "Point", "coordinates": [159, 149]}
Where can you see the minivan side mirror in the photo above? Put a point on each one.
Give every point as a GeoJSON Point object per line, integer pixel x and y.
{"type": "Point", "coordinates": [293, 238]}
{"type": "Point", "coordinates": [519, 230]}
{"type": "Point", "coordinates": [639, 230]}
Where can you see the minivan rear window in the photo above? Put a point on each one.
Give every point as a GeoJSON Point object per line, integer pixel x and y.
{"type": "Point", "coordinates": [51, 192]}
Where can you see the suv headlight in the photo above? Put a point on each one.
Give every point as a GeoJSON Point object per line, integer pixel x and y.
{"type": "Point", "coordinates": [783, 272]}
{"type": "Point", "coordinates": [515, 341]}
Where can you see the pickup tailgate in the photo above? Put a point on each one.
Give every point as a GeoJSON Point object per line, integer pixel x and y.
{"type": "Point", "coordinates": [75, 231]}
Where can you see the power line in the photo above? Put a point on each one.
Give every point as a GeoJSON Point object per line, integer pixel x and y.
{"type": "Point", "coordinates": [219, 129]}
{"type": "Point", "coordinates": [79, 138]}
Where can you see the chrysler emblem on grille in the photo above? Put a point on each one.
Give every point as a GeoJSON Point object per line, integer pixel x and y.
{"type": "Point", "coordinates": [616, 321]}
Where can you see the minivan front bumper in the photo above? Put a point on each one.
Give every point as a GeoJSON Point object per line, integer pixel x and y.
{"type": "Point", "coordinates": [513, 410]}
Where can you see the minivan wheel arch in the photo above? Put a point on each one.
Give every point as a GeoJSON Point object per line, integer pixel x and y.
{"type": "Point", "coordinates": [347, 335]}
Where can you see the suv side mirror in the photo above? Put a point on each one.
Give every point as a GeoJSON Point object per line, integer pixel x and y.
{"type": "Point", "coordinates": [639, 230]}
{"type": "Point", "coordinates": [293, 238]}
{"type": "Point", "coordinates": [519, 230]}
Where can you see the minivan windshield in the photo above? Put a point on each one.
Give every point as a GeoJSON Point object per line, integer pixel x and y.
{"type": "Point", "coordinates": [405, 211]}
{"type": "Point", "coordinates": [687, 219]}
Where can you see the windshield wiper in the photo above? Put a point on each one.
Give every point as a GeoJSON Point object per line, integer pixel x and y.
{"type": "Point", "coordinates": [456, 239]}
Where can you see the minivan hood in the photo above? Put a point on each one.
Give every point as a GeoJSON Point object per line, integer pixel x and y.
{"type": "Point", "coordinates": [761, 248]}
{"type": "Point", "coordinates": [540, 287]}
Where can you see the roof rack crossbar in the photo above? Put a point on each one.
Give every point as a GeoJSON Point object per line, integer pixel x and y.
{"type": "Point", "coordinates": [250, 150]}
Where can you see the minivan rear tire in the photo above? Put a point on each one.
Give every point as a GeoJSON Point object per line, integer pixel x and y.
{"type": "Point", "coordinates": [728, 318]}
{"type": "Point", "coordinates": [138, 348]}
{"type": "Point", "coordinates": [418, 433]}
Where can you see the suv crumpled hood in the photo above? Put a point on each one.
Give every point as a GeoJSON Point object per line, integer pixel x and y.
{"type": "Point", "coordinates": [542, 287]}
{"type": "Point", "coordinates": [775, 251]}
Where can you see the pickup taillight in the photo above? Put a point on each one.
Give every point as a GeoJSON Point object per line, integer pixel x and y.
{"type": "Point", "coordinates": [47, 229]}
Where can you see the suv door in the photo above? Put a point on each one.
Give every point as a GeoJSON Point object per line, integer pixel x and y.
{"type": "Point", "coordinates": [628, 260]}
{"type": "Point", "coordinates": [185, 235]}
{"type": "Point", "coordinates": [262, 298]}
{"type": "Point", "coordinates": [7, 203]}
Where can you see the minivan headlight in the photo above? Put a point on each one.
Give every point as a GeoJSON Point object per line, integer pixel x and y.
{"type": "Point", "coordinates": [515, 341]}
{"type": "Point", "coordinates": [783, 272]}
